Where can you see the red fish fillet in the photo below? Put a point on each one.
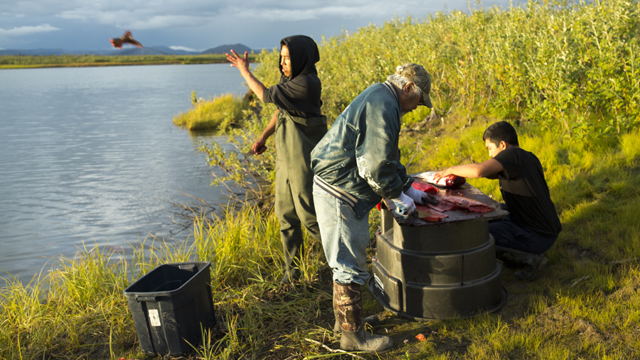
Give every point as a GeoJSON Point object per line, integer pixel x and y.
{"type": "Point", "coordinates": [428, 188]}
{"type": "Point", "coordinates": [471, 205]}
{"type": "Point", "coordinates": [442, 206]}
{"type": "Point", "coordinates": [427, 214]}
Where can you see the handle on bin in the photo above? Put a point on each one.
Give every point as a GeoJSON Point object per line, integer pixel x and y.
{"type": "Point", "coordinates": [188, 267]}
{"type": "Point", "coordinates": [146, 298]}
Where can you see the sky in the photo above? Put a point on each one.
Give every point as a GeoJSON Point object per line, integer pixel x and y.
{"type": "Point", "coordinates": [197, 25]}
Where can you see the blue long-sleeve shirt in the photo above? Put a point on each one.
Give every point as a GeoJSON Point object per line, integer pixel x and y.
{"type": "Point", "coordinates": [358, 159]}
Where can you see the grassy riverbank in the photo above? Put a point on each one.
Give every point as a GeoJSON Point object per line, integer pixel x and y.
{"type": "Point", "coordinates": [571, 89]}
{"type": "Point", "coordinates": [24, 62]}
{"type": "Point", "coordinates": [584, 304]}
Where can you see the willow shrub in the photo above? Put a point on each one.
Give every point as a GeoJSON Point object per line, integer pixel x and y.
{"type": "Point", "coordinates": [563, 66]}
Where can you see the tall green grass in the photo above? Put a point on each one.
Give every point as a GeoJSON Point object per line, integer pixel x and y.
{"type": "Point", "coordinates": [79, 310]}
{"type": "Point", "coordinates": [220, 113]}
{"type": "Point", "coordinates": [584, 304]}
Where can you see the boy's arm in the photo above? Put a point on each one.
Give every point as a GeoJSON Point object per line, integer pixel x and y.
{"type": "Point", "coordinates": [487, 169]}
{"type": "Point", "coordinates": [271, 128]}
{"type": "Point", "coordinates": [242, 63]}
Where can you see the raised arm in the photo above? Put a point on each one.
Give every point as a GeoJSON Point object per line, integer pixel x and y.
{"type": "Point", "coordinates": [242, 63]}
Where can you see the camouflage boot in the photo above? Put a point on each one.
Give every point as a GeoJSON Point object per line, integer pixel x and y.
{"type": "Point", "coordinates": [372, 320]}
{"type": "Point", "coordinates": [348, 309]}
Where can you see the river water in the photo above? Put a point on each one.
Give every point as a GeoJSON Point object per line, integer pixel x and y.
{"type": "Point", "coordinates": [91, 155]}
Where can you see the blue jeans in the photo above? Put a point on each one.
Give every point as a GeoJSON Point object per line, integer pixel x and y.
{"type": "Point", "coordinates": [344, 238]}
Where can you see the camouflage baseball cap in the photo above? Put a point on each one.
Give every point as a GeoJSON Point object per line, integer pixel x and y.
{"type": "Point", "coordinates": [420, 77]}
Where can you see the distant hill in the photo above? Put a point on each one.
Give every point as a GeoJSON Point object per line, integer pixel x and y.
{"type": "Point", "coordinates": [170, 51]}
{"type": "Point", "coordinates": [147, 50]}
{"type": "Point", "coordinates": [239, 48]}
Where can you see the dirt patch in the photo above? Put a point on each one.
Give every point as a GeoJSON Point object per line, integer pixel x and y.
{"type": "Point", "coordinates": [562, 324]}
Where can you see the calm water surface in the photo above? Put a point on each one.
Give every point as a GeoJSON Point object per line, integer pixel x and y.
{"type": "Point", "coordinates": [91, 154]}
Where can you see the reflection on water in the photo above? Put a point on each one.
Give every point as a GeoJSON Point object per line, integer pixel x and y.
{"type": "Point", "coordinates": [91, 154]}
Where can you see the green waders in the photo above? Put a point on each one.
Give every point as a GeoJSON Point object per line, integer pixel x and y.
{"type": "Point", "coordinates": [295, 138]}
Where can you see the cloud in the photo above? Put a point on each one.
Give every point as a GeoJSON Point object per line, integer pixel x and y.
{"type": "Point", "coordinates": [137, 19]}
{"type": "Point", "coordinates": [166, 21]}
{"type": "Point", "coordinates": [308, 14]}
{"type": "Point", "coordinates": [184, 48]}
{"type": "Point", "coordinates": [145, 15]}
{"type": "Point", "coordinates": [28, 30]}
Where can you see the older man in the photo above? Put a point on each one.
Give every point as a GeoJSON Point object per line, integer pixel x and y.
{"type": "Point", "coordinates": [357, 164]}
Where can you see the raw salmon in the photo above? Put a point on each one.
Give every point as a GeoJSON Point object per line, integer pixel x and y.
{"type": "Point", "coordinates": [427, 214]}
{"type": "Point", "coordinates": [468, 204]}
{"type": "Point", "coordinates": [428, 188]}
{"type": "Point", "coordinates": [442, 206]}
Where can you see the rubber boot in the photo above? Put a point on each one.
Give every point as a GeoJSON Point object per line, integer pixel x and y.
{"type": "Point", "coordinates": [291, 274]}
{"type": "Point", "coordinates": [348, 310]}
{"type": "Point", "coordinates": [531, 262]}
{"type": "Point", "coordinates": [293, 247]}
{"type": "Point", "coordinates": [372, 320]}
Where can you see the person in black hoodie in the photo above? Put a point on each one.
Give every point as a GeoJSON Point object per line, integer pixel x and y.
{"type": "Point", "coordinates": [298, 125]}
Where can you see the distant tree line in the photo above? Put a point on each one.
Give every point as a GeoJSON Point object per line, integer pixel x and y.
{"type": "Point", "coordinates": [22, 61]}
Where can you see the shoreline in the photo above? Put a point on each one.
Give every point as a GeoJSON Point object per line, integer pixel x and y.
{"type": "Point", "coordinates": [42, 66]}
{"type": "Point", "coordinates": [54, 61]}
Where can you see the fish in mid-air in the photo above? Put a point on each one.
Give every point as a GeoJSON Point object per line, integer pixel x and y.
{"type": "Point", "coordinates": [124, 39]}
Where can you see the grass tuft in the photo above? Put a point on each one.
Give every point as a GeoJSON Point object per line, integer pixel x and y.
{"type": "Point", "coordinates": [219, 113]}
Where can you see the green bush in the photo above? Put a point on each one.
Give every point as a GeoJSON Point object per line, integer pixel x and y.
{"type": "Point", "coordinates": [562, 66]}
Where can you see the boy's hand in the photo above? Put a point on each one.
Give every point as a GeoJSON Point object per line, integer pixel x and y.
{"type": "Point", "coordinates": [237, 61]}
{"type": "Point", "coordinates": [440, 174]}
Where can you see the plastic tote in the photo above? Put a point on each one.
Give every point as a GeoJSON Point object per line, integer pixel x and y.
{"type": "Point", "coordinates": [171, 306]}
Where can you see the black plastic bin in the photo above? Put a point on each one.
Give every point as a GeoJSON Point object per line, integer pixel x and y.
{"type": "Point", "coordinates": [171, 306]}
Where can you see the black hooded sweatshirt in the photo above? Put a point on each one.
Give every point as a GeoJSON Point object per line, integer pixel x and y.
{"type": "Point", "coordinates": [299, 94]}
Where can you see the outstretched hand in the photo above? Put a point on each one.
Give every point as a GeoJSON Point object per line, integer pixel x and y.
{"type": "Point", "coordinates": [441, 174]}
{"type": "Point", "coordinates": [242, 63]}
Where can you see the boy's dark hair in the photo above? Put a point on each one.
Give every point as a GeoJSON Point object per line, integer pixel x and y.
{"type": "Point", "coordinates": [501, 131]}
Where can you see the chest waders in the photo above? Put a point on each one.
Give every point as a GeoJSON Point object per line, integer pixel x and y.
{"type": "Point", "coordinates": [295, 138]}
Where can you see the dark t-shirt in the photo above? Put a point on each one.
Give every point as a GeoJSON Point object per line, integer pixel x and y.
{"type": "Point", "coordinates": [525, 192]}
{"type": "Point", "coordinates": [299, 96]}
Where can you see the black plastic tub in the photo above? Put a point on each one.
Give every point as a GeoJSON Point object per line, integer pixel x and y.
{"type": "Point", "coordinates": [171, 306]}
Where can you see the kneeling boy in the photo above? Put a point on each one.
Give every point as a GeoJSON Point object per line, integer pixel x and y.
{"type": "Point", "coordinates": [532, 225]}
